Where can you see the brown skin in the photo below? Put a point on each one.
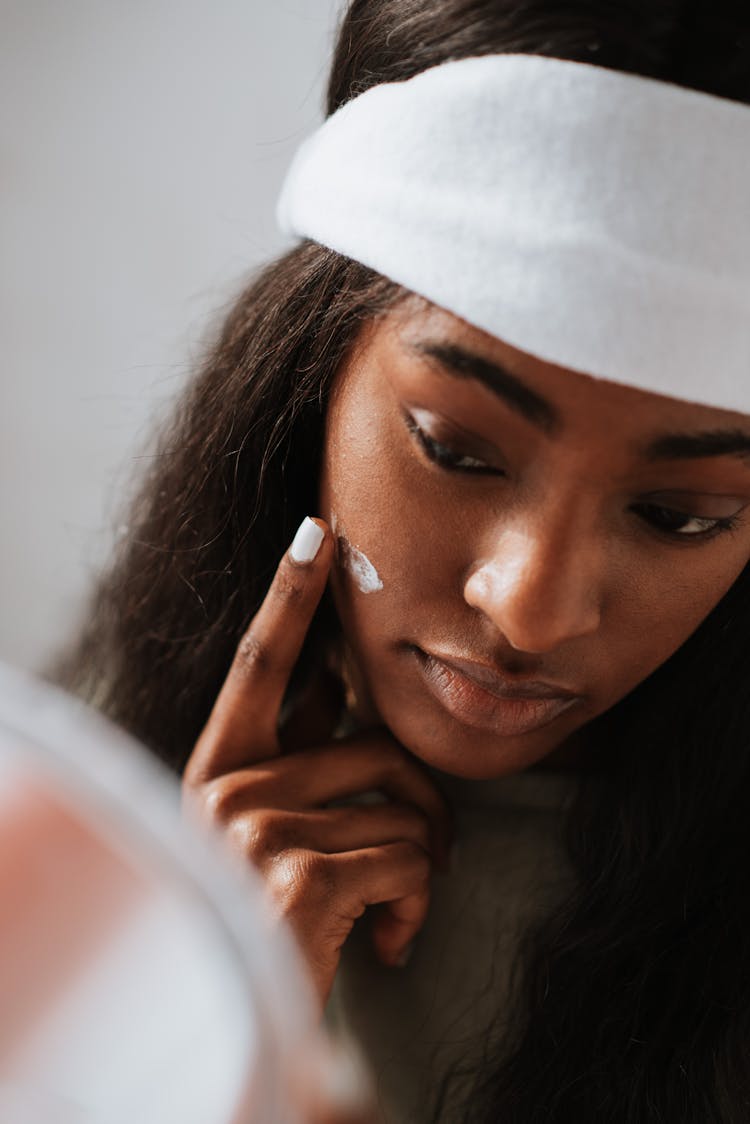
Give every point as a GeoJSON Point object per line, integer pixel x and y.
{"type": "Point", "coordinates": [549, 566]}
{"type": "Point", "coordinates": [323, 865]}
{"type": "Point", "coordinates": [543, 570]}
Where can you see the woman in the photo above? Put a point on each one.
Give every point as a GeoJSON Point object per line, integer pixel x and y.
{"type": "Point", "coordinates": [536, 577]}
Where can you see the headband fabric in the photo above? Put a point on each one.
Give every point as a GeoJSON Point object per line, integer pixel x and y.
{"type": "Point", "coordinates": [595, 219]}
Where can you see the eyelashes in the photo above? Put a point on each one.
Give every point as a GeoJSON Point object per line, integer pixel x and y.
{"type": "Point", "coordinates": [688, 526]}
{"type": "Point", "coordinates": [668, 521]}
{"type": "Point", "coordinates": [443, 455]}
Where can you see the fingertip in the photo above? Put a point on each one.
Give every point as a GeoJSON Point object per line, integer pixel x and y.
{"type": "Point", "coordinates": [394, 940]}
{"type": "Point", "coordinates": [398, 958]}
{"type": "Point", "coordinates": [404, 956]}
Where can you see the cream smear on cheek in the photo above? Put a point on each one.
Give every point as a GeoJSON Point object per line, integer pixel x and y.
{"type": "Point", "coordinates": [355, 561]}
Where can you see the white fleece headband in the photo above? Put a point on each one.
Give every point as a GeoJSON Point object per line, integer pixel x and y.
{"type": "Point", "coordinates": [595, 219]}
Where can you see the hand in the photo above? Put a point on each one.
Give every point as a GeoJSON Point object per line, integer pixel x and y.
{"type": "Point", "coordinates": [323, 865]}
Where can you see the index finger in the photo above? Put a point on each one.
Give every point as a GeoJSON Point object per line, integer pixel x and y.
{"type": "Point", "coordinates": [242, 727]}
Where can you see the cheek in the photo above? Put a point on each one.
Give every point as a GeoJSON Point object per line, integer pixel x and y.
{"type": "Point", "coordinates": [396, 545]}
{"type": "Point", "coordinates": [656, 609]}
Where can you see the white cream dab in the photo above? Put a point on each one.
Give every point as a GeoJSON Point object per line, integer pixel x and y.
{"type": "Point", "coordinates": [355, 561]}
{"type": "Point", "coordinates": [360, 567]}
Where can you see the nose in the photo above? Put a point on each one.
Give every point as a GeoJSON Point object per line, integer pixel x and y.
{"type": "Point", "coordinates": [539, 588]}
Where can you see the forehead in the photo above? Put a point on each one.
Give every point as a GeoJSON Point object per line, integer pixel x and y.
{"type": "Point", "coordinates": [405, 335]}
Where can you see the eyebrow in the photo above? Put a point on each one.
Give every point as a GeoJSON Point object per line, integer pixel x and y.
{"type": "Point", "coordinates": [456, 361]}
{"type": "Point", "coordinates": [691, 446]}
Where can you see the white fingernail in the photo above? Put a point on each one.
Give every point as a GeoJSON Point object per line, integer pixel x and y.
{"type": "Point", "coordinates": [306, 542]}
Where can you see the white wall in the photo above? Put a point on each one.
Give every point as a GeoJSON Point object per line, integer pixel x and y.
{"type": "Point", "coordinates": [142, 144]}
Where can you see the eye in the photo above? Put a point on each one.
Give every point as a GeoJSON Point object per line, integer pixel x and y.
{"type": "Point", "coordinates": [450, 458]}
{"type": "Point", "coordinates": [680, 523]}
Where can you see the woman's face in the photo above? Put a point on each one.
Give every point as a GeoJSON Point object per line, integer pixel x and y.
{"type": "Point", "coordinates": [518, 545]}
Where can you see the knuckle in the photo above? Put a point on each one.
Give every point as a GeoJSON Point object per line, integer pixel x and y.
{"type": "Point", "coordinates": [253, 656]}
{"type": "Point", "coordinates": [219, 800]}
{"type": "Point", "coordinates": [249, 839]}
{"type": "Point", "coordinates": [318, 869]}
{"type": "Point", "coordinates": [299, 878]}
{"type": "Point", "coordinates": [269, 833]}
{"type": "Point", "coordinates": [288, 587]}
{"type": "Point", "coordinates": [256, 835]}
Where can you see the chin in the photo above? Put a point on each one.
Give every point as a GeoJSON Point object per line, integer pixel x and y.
{"type": "Point", "coordinates": [467, 733]}
{"type": "Point", "coordinates": [459, 751]}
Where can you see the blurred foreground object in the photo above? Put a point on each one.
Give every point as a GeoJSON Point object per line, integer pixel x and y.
{"type": "Point", "coordinates": [141, 978]}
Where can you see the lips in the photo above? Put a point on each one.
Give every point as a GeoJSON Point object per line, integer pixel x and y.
{"type": "Point", "coordinates": [479, 696]}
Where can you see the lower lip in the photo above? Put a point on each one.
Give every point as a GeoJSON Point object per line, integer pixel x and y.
{"type": "Point", "coordinates": [473, 705]}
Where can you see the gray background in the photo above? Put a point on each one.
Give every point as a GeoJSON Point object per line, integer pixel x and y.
{"type": "Point", "coordinates": [142, 145]}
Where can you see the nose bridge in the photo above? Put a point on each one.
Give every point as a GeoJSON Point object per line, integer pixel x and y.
{"type": "Point", "coordinates": [541, 580]}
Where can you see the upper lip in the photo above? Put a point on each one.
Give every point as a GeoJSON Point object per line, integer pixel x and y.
{"type": "Point", "coordinates": [501, 685]}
